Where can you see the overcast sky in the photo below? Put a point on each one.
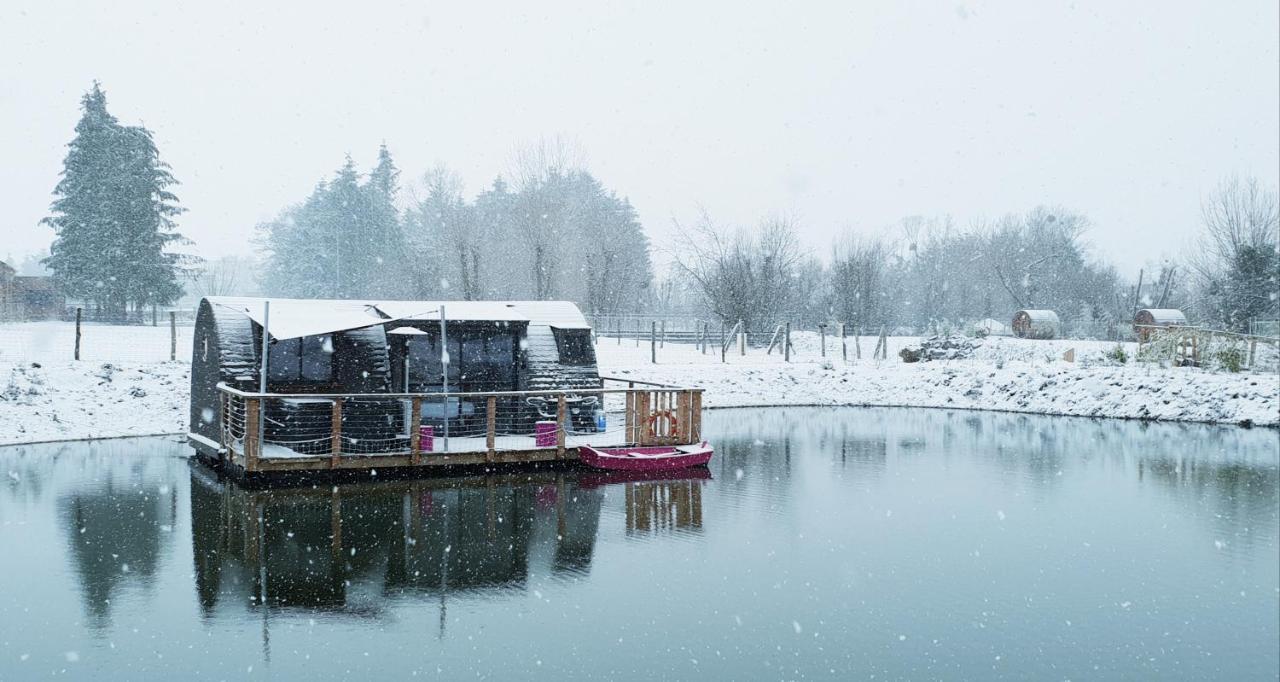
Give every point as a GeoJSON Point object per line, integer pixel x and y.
{"type": "Point", "coordinates": [847, 116]}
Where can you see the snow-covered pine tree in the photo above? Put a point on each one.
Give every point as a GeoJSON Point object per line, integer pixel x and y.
{"type": "Point", "coordinates": [113, 215]}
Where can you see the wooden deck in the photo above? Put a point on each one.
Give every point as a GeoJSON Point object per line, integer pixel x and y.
{"type": "Point", "coordinates": [331, 432]}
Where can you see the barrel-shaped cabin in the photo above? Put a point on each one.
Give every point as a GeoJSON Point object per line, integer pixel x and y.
{"type": "Point", "coordinates": [1036, 324]}
{"type": "Point", "coordinates": [323, 348]}
{"type": "Point", "coordinates": [1148, 321]}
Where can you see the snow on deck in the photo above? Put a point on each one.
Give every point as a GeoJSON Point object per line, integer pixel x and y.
{"type": "Point", "coordinates": [64, 400]}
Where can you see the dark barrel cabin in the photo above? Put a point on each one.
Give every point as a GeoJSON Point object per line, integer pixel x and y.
{"type": "Point", "coordinates": [1036, 324]}
{"type": "Point", "coordinates": [1146, 322]}
{"type": "Point", "coordinates": [378, 347]}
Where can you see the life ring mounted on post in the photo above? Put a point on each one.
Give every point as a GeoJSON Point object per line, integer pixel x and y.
{"type": "Point", "coordinates": [668, 419]}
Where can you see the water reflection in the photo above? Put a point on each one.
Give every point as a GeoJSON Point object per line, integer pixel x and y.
{"type": "Point", "coordinates": [1060, 544]}
{"type": "Point", "coordinates": [346, 548]}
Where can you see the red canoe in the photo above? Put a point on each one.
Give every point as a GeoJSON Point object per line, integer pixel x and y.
{"type": "Point", "coordinates": [664, 458]}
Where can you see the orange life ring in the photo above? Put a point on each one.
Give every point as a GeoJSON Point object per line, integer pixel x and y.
{"type": "Point", "coordinates": [670, 416]}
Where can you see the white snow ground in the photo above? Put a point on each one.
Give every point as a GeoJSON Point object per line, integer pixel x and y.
{"type": "Point", "coordinates": [64, 400]}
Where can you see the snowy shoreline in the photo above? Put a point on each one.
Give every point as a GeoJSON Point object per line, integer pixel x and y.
{"type": "Point", "coordinates": [64, 401]}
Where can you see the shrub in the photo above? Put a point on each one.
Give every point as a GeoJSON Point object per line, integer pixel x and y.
{"type": "Point", "coordinates": [1118, 354]}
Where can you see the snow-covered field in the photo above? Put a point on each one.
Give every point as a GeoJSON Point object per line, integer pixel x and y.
{"type": "Point", "coordinates": [65, 400]}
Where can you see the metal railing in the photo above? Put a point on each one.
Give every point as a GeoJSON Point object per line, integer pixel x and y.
{"type": "Point", "coordinates": [264, 431]}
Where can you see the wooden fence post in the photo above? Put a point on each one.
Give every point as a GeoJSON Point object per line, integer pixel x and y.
{"type": "Point", "coordinates": [653, 341]}
{"type": "Point", "coordinates": [561, 427]}
{"type": "Point", "coordinates": [857, 343]}
{"type": "Point", "coordinates": [173, 336]}
{"type": "Point", "coordinates": [335, 436]}
{"type": "Point", "coordinates": [415, 431]}
{"type": "Point", "coordinates": [844, 349]}
{"type": "Point", "coordinates": [786, 344]}
{"type": "Point", "coordinates": [662, 340]}
{"type": "Point", "coordinates": [78, 311]}
{"type": "Point", "coordinates": [724, 343]}
{"type": "Point", "coordinates": [822, 333]}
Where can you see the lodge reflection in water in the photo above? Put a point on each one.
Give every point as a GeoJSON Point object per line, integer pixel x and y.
{"type": "Point", "coordinates": [317, 547]}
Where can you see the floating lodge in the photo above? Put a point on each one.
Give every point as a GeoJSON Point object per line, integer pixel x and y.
{"type": "Point", "coordinates": [351, 385]}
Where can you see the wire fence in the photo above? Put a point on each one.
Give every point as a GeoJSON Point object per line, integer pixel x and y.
{"type": "Point", "coordinates": [59, 341]}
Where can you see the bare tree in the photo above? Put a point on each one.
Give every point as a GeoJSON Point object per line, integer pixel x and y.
{"type": "Point", "coordinates": [745, 275]}
{"type": "Point", "coordinates": [1235, 262]}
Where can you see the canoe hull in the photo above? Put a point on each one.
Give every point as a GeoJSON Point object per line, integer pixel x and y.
{"type": "Point", "coordinates": [646, 459]}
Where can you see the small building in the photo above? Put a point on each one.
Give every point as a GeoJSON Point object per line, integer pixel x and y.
{"type": "Point", "coordinates": [1036, 324]}
{"type": "Point", "coordinates": [28, 298]}
{"type": "Point", "coordinates": [324, 348]}
{"type": "Point", "coordinates": [1148, 320]}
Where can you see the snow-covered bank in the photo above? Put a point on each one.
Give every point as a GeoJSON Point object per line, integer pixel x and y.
{"type": "Point", "coordinates": [77, 400]}
{"type": "Point", "coordinates": [70, 401]}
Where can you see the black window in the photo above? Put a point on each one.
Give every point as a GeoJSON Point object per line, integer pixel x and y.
{"type": "Point", "coordinates": [575, 346]}
{"type": "Point", "coordinates": [304, 360]}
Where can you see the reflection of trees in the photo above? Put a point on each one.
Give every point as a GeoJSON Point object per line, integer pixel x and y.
{"type": "Point", "coordinates": [1237, 500]}
{"type": "Point", "coordinates": [662, 506]}
{"type": "Point", "coordinates": [348, 548]}
{"type": "Point", "coordinates": [116, 533]}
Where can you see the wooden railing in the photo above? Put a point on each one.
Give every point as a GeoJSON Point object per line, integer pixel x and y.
{"type": "Point", "coordinates": [261, 431]}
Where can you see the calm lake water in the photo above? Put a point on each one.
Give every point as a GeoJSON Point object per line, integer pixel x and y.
{"type": "Point", "coordinates": [823, 543]}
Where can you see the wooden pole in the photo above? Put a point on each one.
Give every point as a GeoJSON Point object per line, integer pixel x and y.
{"type": "Point", "coordinates": [857, 343]}
{"type": "Point", "coordinates": [629, 430]}
{"type": "Point", "coordinates": [662, 340]}
{"type": "Point", "coordinates": [491, 427]}
{"type": "Point", "coordinates": [335, 435]}
{"type": "Point", "coordinates": [78, 312]}
{"type": "Point", "coordinates": [653, 341]}
{"type": "Point", "coordinates": [560, 426]}
{"type": "Point", "coordinates": [844, 349]}
{"type": "Point", "coordinates": [155, 322]}
{"type": "Point", "coordinates": [415, 431]}
{"type": "Point", "coordinates": [822, 334]}
{"type": "Point", "coordinates": [786, 344]}
{"type": "Point", "coordinates": [252, 434]}
{"type": "Point", "coordinates": [173, 336]}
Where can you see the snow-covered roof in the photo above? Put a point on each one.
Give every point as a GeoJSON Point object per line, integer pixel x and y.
{"type": "Point", "coordinates": [460, 311]}
{"type": "Point", "coordinates": [559, 314]}
{"type": "Point", "coordinates": [1164, 315]}
{"type": "Point", "coordinates": [1040, 315]}
{"type": "Point", "coordinates": [291, 318]}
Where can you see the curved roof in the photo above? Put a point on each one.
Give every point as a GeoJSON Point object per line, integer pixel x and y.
{"type": "Point", "coordinates": [1040, 315]}
{"type": "Point", "coordinates": [1165, 315]}
{"type": "Point", "coordinates": [292, 318]}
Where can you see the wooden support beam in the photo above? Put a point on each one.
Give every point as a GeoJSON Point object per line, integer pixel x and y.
{"type": "Point", "coordinates": [491, 426]}
{"type": "Point", "coordinates": [629, 412]}
{"type": "Point", "coordinates": [415, 430]}
{"type": "Point", "coordinates": [335, 438]}
{"type": "Point", "coordinates": [252, 446]}
{"type": "Point", "coordinates": [560, 426]}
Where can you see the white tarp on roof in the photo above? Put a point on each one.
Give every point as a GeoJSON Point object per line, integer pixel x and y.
{"type": "Point", "coordinates": [459, 311]}
{"type": "Point", "coordinates": [1166, 315]}
{"type": "Point", "coordinates": [559, 314]}
{"type": "Point", "coordinates": [292, 318]}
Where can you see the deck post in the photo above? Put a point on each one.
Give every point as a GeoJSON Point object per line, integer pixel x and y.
{"type": "Point", "coordinates": [696, 420]}
{"type": "Point", "coordinates": [415, 431]}
{"type": "Point", "coordinates": [561, 427]}
{"type": "Point", "coordinates": [251, 434]}
{"type": "Point", "coordinates": [335, 438]}
{"type": "Point", "coordinates": [629, 430]}
{"type": "Point", "coordinates": [491, 426]}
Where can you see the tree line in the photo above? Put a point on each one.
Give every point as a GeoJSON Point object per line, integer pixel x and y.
{"type": "Point", "coordinates": [549, 229]}
{"type": "Point", "coordinates": [930, 276]}
{"type": "Point", "coordinates": [558, 233]}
